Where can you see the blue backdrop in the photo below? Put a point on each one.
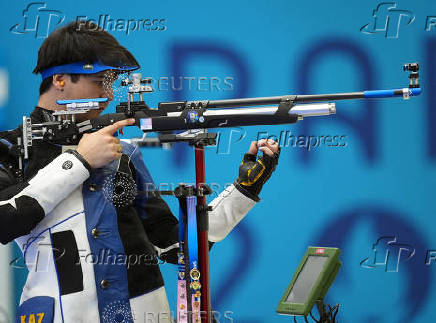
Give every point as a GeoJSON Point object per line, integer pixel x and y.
{"type": "Point", "coordinates": [371, 194]}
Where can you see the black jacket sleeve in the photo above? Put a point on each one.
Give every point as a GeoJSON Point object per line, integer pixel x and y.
{"type": "Point", "coordinates": [21, 219]}
{"type": "Point", "coordinates": [23, 206]}
{"type": "Point", "coordinates": [162, 228]}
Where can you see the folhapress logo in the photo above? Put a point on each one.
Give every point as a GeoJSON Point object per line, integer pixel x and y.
{"type": "Point", "coordinates": [388, 254]}
{"type": "Point", "coordinates": [389, 20]}
{"type": "Point", "coordinates": [38, 19]}
{"type": "Point", "coordinates": [41, 21]}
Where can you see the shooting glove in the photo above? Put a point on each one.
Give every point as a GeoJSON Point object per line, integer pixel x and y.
{"type": "Point", "coordinates": [254, 173]}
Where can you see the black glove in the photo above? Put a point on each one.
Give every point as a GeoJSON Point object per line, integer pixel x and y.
{"type": "Point", "coordinates": [254, 173]}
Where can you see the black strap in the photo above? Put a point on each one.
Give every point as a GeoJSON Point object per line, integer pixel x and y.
{"type": "Point", "coordinates": [81, 158]}
{"type": "Point", "coordinates": [123, 165]}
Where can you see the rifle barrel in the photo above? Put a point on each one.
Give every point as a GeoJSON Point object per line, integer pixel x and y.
{"type": "Point", "coordinates": [231, 103]}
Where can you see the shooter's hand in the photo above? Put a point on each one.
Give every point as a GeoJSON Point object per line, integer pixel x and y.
{"type": "Point", "coordinates": [101, 147]}
{"type": "Point", "coordinates": [254, 173]}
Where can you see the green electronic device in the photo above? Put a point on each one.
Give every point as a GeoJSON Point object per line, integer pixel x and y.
{"type": "Point", "coordinates": [310, 283]}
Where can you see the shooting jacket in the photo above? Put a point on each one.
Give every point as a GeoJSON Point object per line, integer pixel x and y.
{"type": "Point", "coordinates": [88, 260]}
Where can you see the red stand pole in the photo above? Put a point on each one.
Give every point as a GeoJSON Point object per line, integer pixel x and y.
{"type": "Point", "coordinates": [203, 240]}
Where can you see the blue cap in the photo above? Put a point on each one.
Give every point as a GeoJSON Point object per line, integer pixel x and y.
{"type": "Point", "coordinates": [83, 68]}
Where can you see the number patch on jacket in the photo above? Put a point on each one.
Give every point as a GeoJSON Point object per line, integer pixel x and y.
{"type": "Point", "coordinates": [33, 318]}
{"type": "Point", "coordinates": [36, 310]}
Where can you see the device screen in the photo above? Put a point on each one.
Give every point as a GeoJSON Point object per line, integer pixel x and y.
{"type": "Point", "coordinates": [306, 279]}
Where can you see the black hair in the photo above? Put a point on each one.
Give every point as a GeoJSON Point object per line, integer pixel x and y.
{"type": "Point", "coordinates": [80, 41]}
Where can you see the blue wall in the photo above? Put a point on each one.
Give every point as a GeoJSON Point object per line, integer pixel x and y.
{"type": "Point", "coordinates": [380, 184]}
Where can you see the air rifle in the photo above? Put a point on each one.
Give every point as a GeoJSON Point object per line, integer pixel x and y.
{"type": "Point", "coordinates": [192, 115]}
